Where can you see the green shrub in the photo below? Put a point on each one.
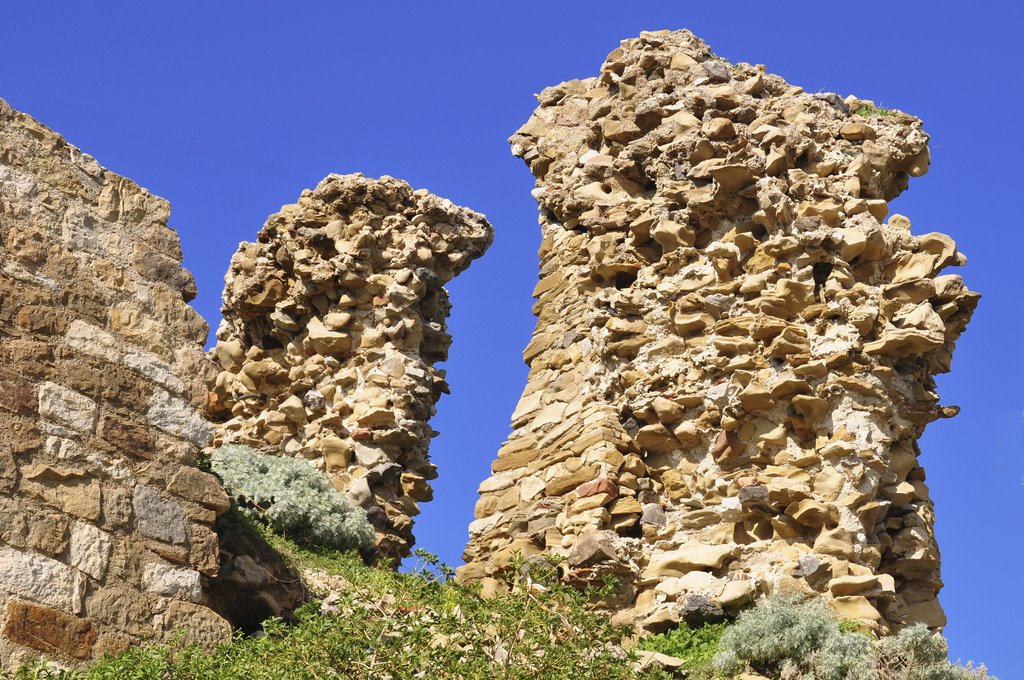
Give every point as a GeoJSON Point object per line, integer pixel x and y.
{"type": "Point", "coordinates": [292, 498]}
{"type": "Point", "coordinates": [695, 646]}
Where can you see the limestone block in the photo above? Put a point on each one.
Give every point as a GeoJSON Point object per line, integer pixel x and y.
{"type": "Point", "coordinates": [67, 408]}
{"type": "Point", "coordinates": [177, 417]}
{"type": "Point", "coordinates": [90, 549]}
{"type": "Point", "coordinates": [853, 585]}
{"type": "Point", "coordinates": [70, 489]}
{"type": "Point", "coordinates": [199, 487]}
{"type": "Point", "coordinates": [811, 513]}
{"type": "Point", "coordinates": [737, 594]}
{"type": "Point", "coordinates": [37, 578]}
{"type": "Point", "coordinates": [199, 624]}
{"type": "Point", "coordinates": [856, 608]}
{"type": "Point", "coordinates": [176, 582]}
{"type": "Point", "coordinates": [159, 517]}
{"type": "Point", "coordinates": [689, 558]}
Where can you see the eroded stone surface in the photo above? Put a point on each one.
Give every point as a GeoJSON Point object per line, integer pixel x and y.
{"type": "Point", "coordinates": [333, 320]}
{"type": "Point", "coordinates": [99, 397]}
{"type": "Point", "coordinates": [735, 345]}
{"type": "Point", "coordinates": [48, 630]}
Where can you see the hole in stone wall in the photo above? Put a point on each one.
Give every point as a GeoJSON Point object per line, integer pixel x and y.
{"type": "Point", "coordinates": [624, 279]}
{"type": "Point", "coordinates": [821, 271]}
{"type": "Point", "coordinates": [270, 342]}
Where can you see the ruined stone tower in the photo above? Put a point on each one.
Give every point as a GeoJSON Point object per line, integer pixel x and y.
{"type": "Point", "coordinates": [333, 320]}
{"type": "Point", "coordinates": [106, 535]}
{"type": "Point", "coordinates": [735, 345]}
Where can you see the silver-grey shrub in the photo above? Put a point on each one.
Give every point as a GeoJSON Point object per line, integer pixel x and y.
{"type": "Point", "coordinates": [292, 498]}
{"type": "Point", "coordinates": [786, 635]}
{"type": "Point", "coordinates": [791, 637]}
{"type": "Point", "coordinates": [916, 654]}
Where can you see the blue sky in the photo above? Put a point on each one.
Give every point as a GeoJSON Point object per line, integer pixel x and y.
{"type": "Point", "coordinates": [230, 109]}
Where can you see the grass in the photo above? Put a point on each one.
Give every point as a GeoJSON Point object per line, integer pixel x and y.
{"type": "Point", "coordinates": [865, 110]}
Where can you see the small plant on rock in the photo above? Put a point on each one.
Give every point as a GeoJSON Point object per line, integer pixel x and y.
{"type": "Point", "coordinates": [866, 110]}
{"type": "Point", "coordinates": [291, 498]}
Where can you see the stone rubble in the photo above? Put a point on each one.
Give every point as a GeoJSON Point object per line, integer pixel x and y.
{"type": "Point", "coordinates": [333, 320]}
{"type": "Point", "coordinates": [107, 533]}
{"type": "Point", "coordinates": [735, 346]}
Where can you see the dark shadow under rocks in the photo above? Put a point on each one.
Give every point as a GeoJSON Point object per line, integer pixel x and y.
{"type": "Point", "coordinates": [255, 582]}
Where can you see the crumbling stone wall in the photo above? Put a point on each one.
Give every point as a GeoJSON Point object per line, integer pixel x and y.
{"type": "Point", "coordinates": [735, 345]}
{"type": "Point", "coordinates": [333, 320]}
{"type": "Point", "coordinates": [106, 538]}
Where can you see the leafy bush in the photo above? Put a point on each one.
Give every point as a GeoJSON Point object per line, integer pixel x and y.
{"type": "Point", "coordinates": [292, 498]}
{"type": "Point", "coordinates": [695, 646]}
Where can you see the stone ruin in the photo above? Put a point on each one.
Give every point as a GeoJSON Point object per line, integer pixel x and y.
{"type": "Point", "coordinates": [107, 533]}
{"type": "Point", "coordinates": [333, 320]}
{"type": "Point", "coordinates": [735, 346]}
{"type": "Point", "coordinates": [733, 362]}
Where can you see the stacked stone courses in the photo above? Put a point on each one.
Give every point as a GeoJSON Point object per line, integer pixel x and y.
{"type": "Point", "coordinates": [106, 538]}
{"type": "Point", "coordinates": [333, 320]}
{"type": "Point", "coordinates": [733, 363]}
{"type": "Point", "coordinates": [735, 346]}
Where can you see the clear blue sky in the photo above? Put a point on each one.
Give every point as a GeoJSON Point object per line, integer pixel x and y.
{"type": "Point", "coordinates": [229, 109]}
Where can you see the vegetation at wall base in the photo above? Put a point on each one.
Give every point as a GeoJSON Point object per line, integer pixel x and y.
{"type": "Point", "coordinates": [378, 624]}
{"type": "Point", "coordinates": [375, 623]}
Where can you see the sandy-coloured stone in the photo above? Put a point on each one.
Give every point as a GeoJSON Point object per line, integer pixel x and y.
{"type": "Point", "coordinates": [334, 317]}
{"type": "Point", "coordinates": [856, 608]}
{"type": "Point", "coordinates": [725, 299]}
{"type": "Point", "coordinates": [689, 558]}
{"type": "Point", "coordinates": [737, 594]}
{"type": "Point", "coordinates": [852, 585]}
{"type": "Point", "coordinates": [70, 489]}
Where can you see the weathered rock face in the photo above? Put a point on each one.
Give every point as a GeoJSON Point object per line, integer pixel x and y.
{"type": "Point", "coordinates": [332, 323]}
{"type": "Point", "coordinates": [734, 351]}
{"type": "Point", "coordinates": [106, 538]}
